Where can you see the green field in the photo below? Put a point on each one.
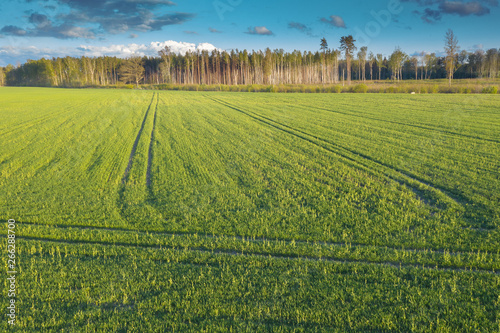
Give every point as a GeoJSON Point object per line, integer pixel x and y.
{"type": "Point", "coordinates": [143, 211]}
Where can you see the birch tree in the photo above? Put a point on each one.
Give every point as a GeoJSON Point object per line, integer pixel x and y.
{"type": "Point", "coordinates": [451, 49]}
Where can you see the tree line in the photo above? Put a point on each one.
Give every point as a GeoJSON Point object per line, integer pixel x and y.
{"type": "Point", "coordinates": [270, 67]}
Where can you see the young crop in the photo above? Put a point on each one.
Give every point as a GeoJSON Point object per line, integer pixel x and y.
{"type": "Point", "coordinates": [213, 211]}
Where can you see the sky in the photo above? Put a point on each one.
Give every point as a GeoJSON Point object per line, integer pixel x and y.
{"type": "Point", "coordinates": [32, 29]}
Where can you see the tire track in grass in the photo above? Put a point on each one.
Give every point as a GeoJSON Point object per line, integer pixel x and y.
{"type": "Point", "coordinates": [405, 178]}
{"type": "Point", "coordinates": [275, 256]}
{"type": "Point", "coordinates": [136, 142]}
{"type": "Point", "coordinates": [479, 222]}
{"type": "Point", "coordinates": [429, 128]}
{"type": "Point", "coordinates": [257, 240]}
{"type": "Point", "coordinates": [419, 189]}
{"type": "Point", "coordinates": [408, 179]}
{"type": "Point", "coordinates": [150, 150]}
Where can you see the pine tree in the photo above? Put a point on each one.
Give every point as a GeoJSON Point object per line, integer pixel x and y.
{"type": "Point", "coordinates": [347, 45]}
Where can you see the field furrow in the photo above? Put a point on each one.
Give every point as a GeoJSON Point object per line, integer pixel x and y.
{"type": "Point", "coordinates": [423, 164]}
{"type": "Point", "coordinates": [368, 163]}
{"type": "Point", "coordinates": [150, 149]}
{"type": "Point", "coordinates": [484, 260]}
{"type": "Point", "coordinates": [136, 142]}
{"type": "Point", "coordinates": [265, 254]}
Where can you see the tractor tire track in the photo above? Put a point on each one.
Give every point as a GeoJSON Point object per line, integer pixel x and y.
{"type": "Point", "coordinates": [429, 128]}
{"type": "Point", "coordinates": [136, 142]}
{"type": "Point", "coordinates": [261, 239]}
{"type": "Point", "coordinates": [150, 150]}
{"type": "Point", "coordinates": [405, 178]}
{"type": "Point", "coordinates": [239, 253]}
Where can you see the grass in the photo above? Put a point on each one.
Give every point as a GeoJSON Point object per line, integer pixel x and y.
{"type": "Point", "coordinates": [212, 211]}
{"type": "Point", "coordinates": [435, 86]}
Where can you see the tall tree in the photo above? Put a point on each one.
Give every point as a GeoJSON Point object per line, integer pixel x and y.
{"type": "Point", "coordinates": [422, 64]}
{"type": "Point", "coordinates": [380, 64]}
{"type": "Point", "coordinates": [268, 66]}
{"type": "Point", "coordinates": [414, 62]}
{"type": "Point", "coordinates": [431, 61]}
{"type": "Point", "coordinates": [166, 63]}
{"type": "Point", "coordinates": [2, 77]}
{"type": "Point", "coordinates": [480, 63]}
{"type": "Point", "coordinates": [492, 62]}
{"type": "Point", "coordinates": [451, 49]}
{"type": "Point", "coordinates": [371, 61]}
{"type": "Point", "coordinates": [362, 62]}
{"type": "Point", "coordinates": [396, 61]}
{"type": "Point", "coordinates": [336, 56]}
{"type": "Point", "coordinates": [324, 47]}
{"type": "Point", "coordinates": [347, 45]}
{"type": "Point", "coordinates": [132, 70]}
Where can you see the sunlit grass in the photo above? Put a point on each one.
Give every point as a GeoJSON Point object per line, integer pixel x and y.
{"type": "Point", "coordinates": [212, 211]}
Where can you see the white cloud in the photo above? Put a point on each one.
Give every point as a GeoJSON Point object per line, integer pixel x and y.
{"type": "Point", "coordinates": [206, 47]}
{"type": "Point", "coordinates": [28, 51]}
{"type": "Point", "coordinates": [11, 54]}
{"type": "Point", "coordinates": [259, 31]}
{"type": "Point", "coordinates": [335, 21]}
{"type": "Point", "coordinates": [152, 49]}
{"type": "Point", "coordinates": [19, 54]}
{"type": "Point", "coordinates": [121, 51]}
{"type": "Point", "coordinates": [180, 47]}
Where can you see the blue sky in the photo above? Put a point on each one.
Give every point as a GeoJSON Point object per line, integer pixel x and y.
{"type": "Point", "coordinates": [31, 29]}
